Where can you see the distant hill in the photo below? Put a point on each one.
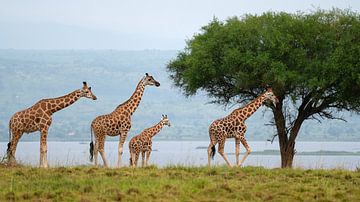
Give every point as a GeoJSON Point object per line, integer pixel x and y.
{"type": "Point", "coordinates": [27, 76]}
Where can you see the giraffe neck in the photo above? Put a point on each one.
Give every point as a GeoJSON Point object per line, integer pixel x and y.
{"type": "Point", "coordinates": [156, 129]}
{"type": "Point", "coordinates": [249, 109]}
{"type": "Point", "coordinates": [133, 102]}
{"type": "Point", "coordinates": [59, 103]}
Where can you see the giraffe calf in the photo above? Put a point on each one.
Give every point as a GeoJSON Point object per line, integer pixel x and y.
{"type": "Point", "coordinates": [142, 143]}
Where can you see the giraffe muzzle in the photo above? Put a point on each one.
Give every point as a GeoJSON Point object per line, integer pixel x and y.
{"type": "Point", "coordinates": [157, 84]}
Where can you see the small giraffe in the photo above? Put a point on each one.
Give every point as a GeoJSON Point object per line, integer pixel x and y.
{"type": "Point", "coordinates": [233, 126]}
{"type": "Point", "coordinates": [142, 142]}
{"type": "Point", "coordinates": [117, 122]}
{"type": "Point", "coordinates": [38, 118]}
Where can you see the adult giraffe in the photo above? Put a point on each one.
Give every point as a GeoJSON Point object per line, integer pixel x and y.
{"type": "Point", "coordinates": [233, 126]}
{"type": "Point", "coordinates": [117, 122]}
{"type": "Point", "coordinates": [38, 118]}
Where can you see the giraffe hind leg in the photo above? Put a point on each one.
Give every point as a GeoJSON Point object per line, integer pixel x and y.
{"type": "Point", "coordinates": [222, 153]}
{"type": "Point", "coordinates": [101, 149]}
{"type": "Point", "coordinates": [142, 158]}
{"type": "Point", "coordinates": [211, 152]}
{"type": "Point", "coordinates": [147, 157]}
{"type": "Point", "coordinates": [12, 147]}
{"type": "Point", "coordinates": [211, 149]}
{"type": "Point", "coordinates": [91, 151]}
{"type": "Point", "coordinates": [96, 152]}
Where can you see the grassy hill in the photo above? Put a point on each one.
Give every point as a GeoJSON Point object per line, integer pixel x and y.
{"type": "Point", "coordinates": [177, 184]}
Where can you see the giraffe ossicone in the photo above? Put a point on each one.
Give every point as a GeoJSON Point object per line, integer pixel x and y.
{"type": "Point", "coordinates": [233, 126]}
{"type": "Point", "coordinates": [38, 118]}
{"type": "Point", "coordinates": [142, 143]}
{"type": "Point", "coordinates": [117, 123]}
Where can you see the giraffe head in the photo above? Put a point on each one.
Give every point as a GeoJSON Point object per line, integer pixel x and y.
{"type": "Point", "coordinates": [165, 120]}
{"type": "Point", "coordinates": [149, 80]}
{"type": "Point", "coordinates": [269, 95]}
{"type": "Point", "coordinates": [86, 92]}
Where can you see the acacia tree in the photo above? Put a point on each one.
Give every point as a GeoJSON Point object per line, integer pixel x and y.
{"type": "Point", "coordinates": [311, 60]}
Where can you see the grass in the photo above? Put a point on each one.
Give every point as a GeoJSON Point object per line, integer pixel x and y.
{"type": "Point", "coordinates": [177, 184]}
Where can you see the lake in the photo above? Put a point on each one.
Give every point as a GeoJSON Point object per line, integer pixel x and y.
{"type": "Point", "coordinates": [313, 155]}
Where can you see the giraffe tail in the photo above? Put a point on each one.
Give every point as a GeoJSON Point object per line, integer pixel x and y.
{"type": "Point", "coordinates": [9, 144]}
{"type": "Point", "coordinates": [213, 150]}
{"type": "Point", "coordinates": [91, 150]}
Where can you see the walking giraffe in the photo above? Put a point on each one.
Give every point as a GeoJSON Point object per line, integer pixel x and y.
{"type": "Point", "coordinates": [143, 143]}
{"type": "Point", "coordinates": [233, 126]}
{"type": "Point", "coordinates": [38, 118]}
{"type": "Point", "coordinates": [117, 122]}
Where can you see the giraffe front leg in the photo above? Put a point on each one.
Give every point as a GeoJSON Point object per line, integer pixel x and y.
{"type": "Point", "coordinates": [121, 147]}
{"type": "Point", "coordinates": [248, 150]}
{"type": "Point", "coordinates": [43, 149]}
{"type": "Point", "coordinates": [222, 153]}
{"type": "Point", "coordinates": [237, 150]}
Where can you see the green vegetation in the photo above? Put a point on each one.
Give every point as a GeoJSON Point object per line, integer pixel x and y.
{"type": "Point", "coordinates": [311, 60]}
{"type": "Point", "coordinates": [177, 184]}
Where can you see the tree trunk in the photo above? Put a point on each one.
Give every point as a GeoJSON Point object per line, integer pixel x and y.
{"type": "Point", "coordinates": [287, 155]}
{"type": "Point", "coordinates": [286, 144]}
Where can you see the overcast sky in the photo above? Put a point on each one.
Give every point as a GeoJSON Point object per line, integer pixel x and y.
{"type": "Point", "coordinates": [127, 25]}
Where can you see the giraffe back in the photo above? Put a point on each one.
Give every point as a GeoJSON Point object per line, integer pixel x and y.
{"type": "Point", "coordinates": [31, 119]}
{"type": "Point", "coordinates": [112, 124]}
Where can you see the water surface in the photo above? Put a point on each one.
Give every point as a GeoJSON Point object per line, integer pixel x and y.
{"type": "Point", "coordinates": [193, 153]}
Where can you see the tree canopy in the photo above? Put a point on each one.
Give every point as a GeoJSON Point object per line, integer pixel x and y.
{"type": "Point", "coordinates": [311, 60]}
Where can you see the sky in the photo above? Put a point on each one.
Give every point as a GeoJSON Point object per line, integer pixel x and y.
{"type": "Point", "coordinates": [128, 24]}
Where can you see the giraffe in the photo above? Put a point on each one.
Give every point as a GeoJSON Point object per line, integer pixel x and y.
{"type": "Point", "coordinates": [117, 122]}
{"type": "Point", "coordinates": [38, 118]}
{"type": "Point", "coordinates": [233, 126]}
{"type": "Point", "coordinates": [142, 142]}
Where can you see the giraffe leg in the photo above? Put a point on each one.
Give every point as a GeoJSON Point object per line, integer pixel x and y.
{"type": "Point", "coordinates": [96, 152]}
{"type": "Point", "coordinates": [12, 149]}
{"type": "Point", "coordinates": [143, 158]}
{"type": "Point", "coordinates": [248, 150]}
{"type": "Point", "coordinates": [121, 145]}
{"type": "Point", "coordinates": [211, 151]}
{"type": "Point", "coordinates": [43, 149]}
{"type": "Point", "coordinates": [147, 157]}
{"type": "Point", "coordinates": [137, 158]}
{"type": "Point", "coordinates": [237, 150]}
{"type": "Point", "coordinates": [222, 153]}
{"type": "Point", "coordinates": [133, 156]}
{"type": "Point", "coordinates": [101, 147]}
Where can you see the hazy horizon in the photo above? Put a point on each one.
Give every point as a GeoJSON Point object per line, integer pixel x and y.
{"type": "Point", "coordinates": [135, 25]}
